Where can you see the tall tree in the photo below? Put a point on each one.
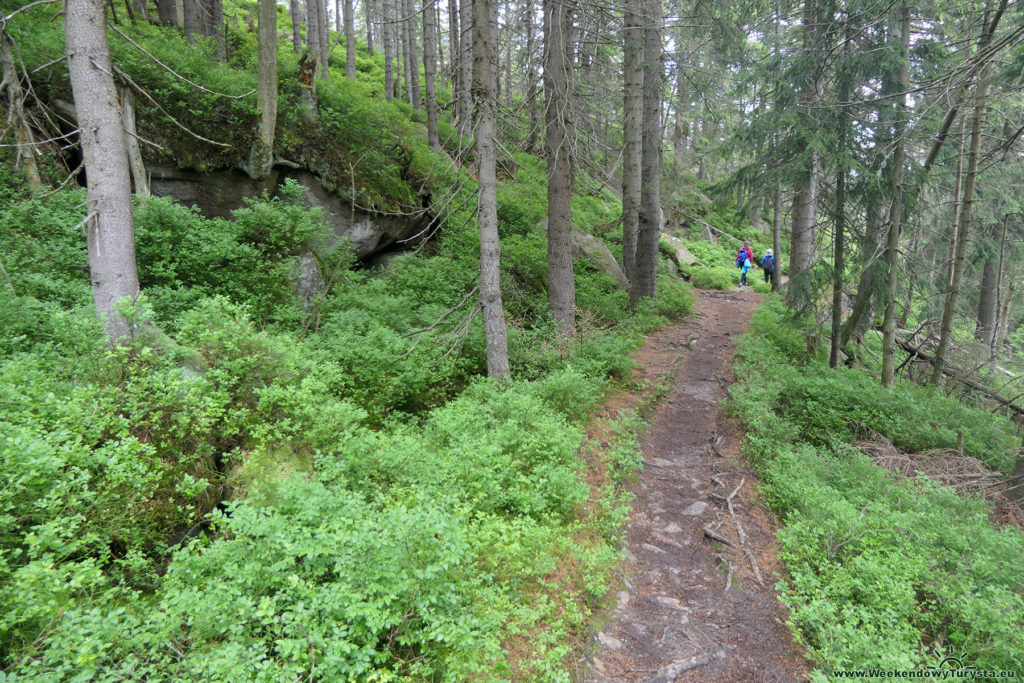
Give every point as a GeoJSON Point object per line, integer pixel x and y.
{"type": "Point", "coordinates": [632, 133]}
{"type": "Point", "coordinates": [558, 146]}
{"type": "Point", "coordinates": [295, 9]}
{"type": "Point", "coordinates": [896, 205]}
{"type": "Point", "coordinates": [412, 56]}
{"type": "Point", "coordinates": [389, 49]}
{"type": "Point", "coordinates": [466, 58]}
{"type": "Point", "coordinates": [110, 228]}
{"type": "Point", "coordinates": [980, 97]}
{"type": "Point", "coordinates": [487, 189]}
{"type": "Point", "coordinates": [350, 40]}
{"type": "Point", "coordinates": [368, 13]}
{"type": "Point", "coordinates": [650, 165]}
{"type": "Point", "coordinates": [261, 156]}
{"type": "Point", "coordinates": [429, 74]}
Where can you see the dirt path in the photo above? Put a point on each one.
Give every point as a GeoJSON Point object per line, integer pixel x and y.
{"type": "Point", "coordinates": [675, 620]}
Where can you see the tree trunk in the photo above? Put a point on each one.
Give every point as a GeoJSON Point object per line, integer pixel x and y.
{"type": "Point", "coordinates": [215, 29]}
{"type": "Point", "coordinates": [777, 236]}
{"type": "Point", "coordinates": [295, 8]}
{"type": "Point", "coordinates": [413, 56]}
{"type": "Point", "coordinates": [389, 72]}
{"type": "Point", "coordinates": [839, 260]}
{"type": "Point", "coordinates": [955, 222]}
{"type": "Point", "coordinates": [996, 342]}
{"type": "Point", "coordinates": [896, 207]}
{"type": "Point", "coordinates": [139, 6]}
{"type": "Point", "coordinates": [632, 126]}
{"type": "Point", "coordinates": [453, 54]}
{"type": "Point", "coordinates": [261, 156]}
{"type": "Point", "coordinates": [111, 232]}
{"type": "Point", "coordinates": [487, 188]}
{"type": "Point", "coordinates": [313, 32]}
{"type": "Point", "coordinates": [806, 189]}
{"type": "Point", "coordinates": [429, 75]}
{"type": "Point", "coordinates": [949, 310]}
{"type": "Point", "coordinates": [466, 58]}
{"type": "Point", "coordinates": [1004, 317]}
{"type": "Point", "coordinates": [987, 303]}
{"type": "Point", "coordinates": [407, 60]}
{"type": "Point", "coordinates": [530, 82]}
{"type": "Point", "coordinates": [324, 36]}
{"type": "Point", "coordinates": [650, 164]}
{"type": "Point", "coordinates": [193, 25]}
{"type": "Point", "coordinates": [558, 144]}
{"type": "Point", "coordinates": [135, 163]}
{"type": "Point", "coordinates": [368, 13]}
{"type": "Point", "coordinates": [350, 40]}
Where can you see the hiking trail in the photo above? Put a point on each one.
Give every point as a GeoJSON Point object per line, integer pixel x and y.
{"type": "Point", "coordinates": [697, 599]}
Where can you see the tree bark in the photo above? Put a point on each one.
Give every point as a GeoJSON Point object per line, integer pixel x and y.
{"type": "Point", "coordinates": [295, 8]}
{"type": "Point", "coordinates": [530, 81]}
{"type": "Point", "coordinates": [632, 126]}
{"type": "Point", "coordinates": [967, 205]}
{"type": "Point", "coordinates": [558, 144]}
{"type": "Point", "coordinates": [350, 39]}
{"type": "Point", "coordinates": [324, 36]}
{"type": "Point", "coordinates": [429, 75]}
{"type": "Point", "coordinates": [453, 54]}
{"type": "Point", "coordinates": [368, 13]}
{"type": "Point", "coordinates": [135, 163]}
{"type": "Point", "coordinates": [650, 164]}
{"type": "Point", "coordinates": [389, 72]}
{"type": "Point", "coordinates": [416, 98]}
{"type": "Point", "coordinates": [487, 188]}
{"type": "Point", "coordinates": [215, 29]}
{"type": "Point", "coordinates": [777, 236]}
{"type": "Point", "coordinates": [466, 58]}
{"type": "Point", "coordinates": [111, 232]}
{"type": "Point", "coordinates": [839, 261]}
{"type": "Point", "coordinates": [313, 32]}
{"type": "Point", "coordinates": [193, 25]}
{"type": "Point", "coordinates": [261, 156]}
{"type": "Point", "coordinates": [896, 207]}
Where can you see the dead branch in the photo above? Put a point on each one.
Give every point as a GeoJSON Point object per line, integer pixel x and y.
{"type": "Point", "coordinates": [137, 88]}
{"type": "Point", "coordinates": [715, 536]}
{"type": "Point", "coordinates": [955, 373]}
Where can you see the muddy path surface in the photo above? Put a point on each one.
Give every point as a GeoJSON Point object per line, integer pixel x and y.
{"type": "Point", "coordinates": [697, 600]}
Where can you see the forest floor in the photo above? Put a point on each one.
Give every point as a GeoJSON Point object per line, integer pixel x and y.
{"type": "Point", "coordinates": [697, 600]}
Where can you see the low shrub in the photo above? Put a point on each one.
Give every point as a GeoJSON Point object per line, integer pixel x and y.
{"type": "Point", "coordinates": [876, 576]}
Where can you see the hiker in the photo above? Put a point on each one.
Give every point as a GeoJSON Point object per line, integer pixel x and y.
{"type": "Point", "coordinates": [744, 261]}
{"type": "Point", "coordinates": [768, 265]}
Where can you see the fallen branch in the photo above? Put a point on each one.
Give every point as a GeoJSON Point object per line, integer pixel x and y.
{"type": "Point", "coordinates": [954, 373]}
{"type": "Point", "coordinates": [753, 565]}
{"type": "Point", "coordinates": [715, 536]}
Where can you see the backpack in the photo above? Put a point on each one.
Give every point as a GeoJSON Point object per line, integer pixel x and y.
{"type": "Point", "coordinates": [768, 263]}
{"type": "Point", "coordinates": [740, 258]}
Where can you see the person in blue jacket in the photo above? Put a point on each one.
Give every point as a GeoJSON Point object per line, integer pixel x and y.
{"type": "Point", "coordinates": [768, 265]}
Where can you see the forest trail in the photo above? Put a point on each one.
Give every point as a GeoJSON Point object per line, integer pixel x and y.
{"type": "Point", "coordinates": [674, 619]}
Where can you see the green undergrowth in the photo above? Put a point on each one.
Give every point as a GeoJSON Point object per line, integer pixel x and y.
{"type": "Point", "coordinates": [255, 487]}
{"type": "Point", "coordinates": [882, 571]}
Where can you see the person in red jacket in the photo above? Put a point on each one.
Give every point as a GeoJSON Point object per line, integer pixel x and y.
{"type": "Point", "coordinates": [744, 260]}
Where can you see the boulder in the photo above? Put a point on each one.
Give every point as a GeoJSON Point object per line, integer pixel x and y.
{"type": "Point", "coordinates": [594, 250]}
{"type": "Point", "coordinates": [677, 251]}
{"type": "Point", "coordinates": [217, 193]}
{"type": "Point", "coordinates": [368, 233]}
